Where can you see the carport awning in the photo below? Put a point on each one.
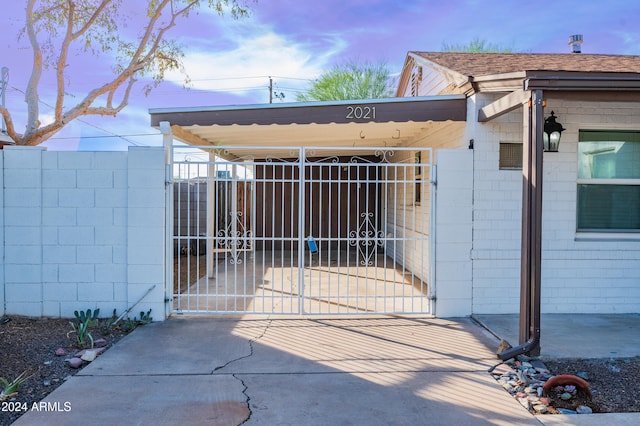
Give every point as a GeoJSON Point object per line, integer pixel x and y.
{"type": "Point", "coordinates": [374, 122]}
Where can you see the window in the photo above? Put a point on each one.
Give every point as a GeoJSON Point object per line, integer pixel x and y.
{"type": "Point", "coordinates": [608, 181]}
{"type": "Point", "coordinates": [510, 156]}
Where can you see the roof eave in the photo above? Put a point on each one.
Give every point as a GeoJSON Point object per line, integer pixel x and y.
{"type": "Point", "coordinates": [423, 108]}
{"type": "Point", "coordinates": [557, 80]}
{"type": "Point", "coordinates": [582, 81]}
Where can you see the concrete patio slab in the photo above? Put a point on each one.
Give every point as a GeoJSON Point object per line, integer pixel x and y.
{"type": "Point", "coordinates": [299, 371]}
{"type": "Point", "coordinates": [136, 400]}
{"type": "Point", "coordinates": [368, 371]}
{"type": "Point", "coordinates": [575, 335]}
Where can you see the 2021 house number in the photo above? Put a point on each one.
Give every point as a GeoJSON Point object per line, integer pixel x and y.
{"type": "Point", "coordinates": [360, 112]}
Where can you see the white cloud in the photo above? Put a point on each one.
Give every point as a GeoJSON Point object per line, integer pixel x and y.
{"type": "Point", "coordinates": [258, 52]}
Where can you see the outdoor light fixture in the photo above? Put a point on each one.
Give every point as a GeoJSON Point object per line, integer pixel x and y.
{"type": "Point", "coordinates": [552, 132]}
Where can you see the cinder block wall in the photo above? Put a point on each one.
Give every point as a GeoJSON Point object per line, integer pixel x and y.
{"type": "Point", "coordinates": [454, 207]}
{"type": "Point", "coordinates": [588, 273]}
{"type": "Point", "coordinates": [82, 230]}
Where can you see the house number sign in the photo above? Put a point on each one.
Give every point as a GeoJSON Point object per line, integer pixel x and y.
{"type": "Point", "coordinates": [360, 112]}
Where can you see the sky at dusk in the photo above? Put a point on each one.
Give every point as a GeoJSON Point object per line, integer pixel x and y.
{"type": "Point", "coordinates": [293, 41]}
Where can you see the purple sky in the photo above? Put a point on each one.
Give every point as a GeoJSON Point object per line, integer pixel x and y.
{"type": "Point", "coordinates": [294, 41]}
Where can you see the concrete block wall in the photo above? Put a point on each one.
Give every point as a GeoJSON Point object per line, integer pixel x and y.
{"type": "Point", "coordinates": [454, 206]}
{"type": "Point", "coordinates": [81, 230]}
{"type": "Point", "coordinates": [581, 273]}
{"type": "Point", "coordinates": [408, 222]}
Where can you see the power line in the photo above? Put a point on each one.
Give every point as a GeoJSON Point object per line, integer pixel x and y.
{"type": "Point", "coordinates": [244, 78]}
{"type": "Point", "coordinates": [113, 135]}
{"type": "Point", "coordinates": [86, 122]}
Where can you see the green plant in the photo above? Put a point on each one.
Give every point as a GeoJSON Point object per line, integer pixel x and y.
{"type": "Point", "coordinates": [86, 317]}
{"type": "Point", "coordinates": [11, 388]}
{"type": "Point", "coordinates": [145, 318]}
{"type": "Point", "coordinates": [106, 325]}
{"type": "Point", "coordinates": [130, 324]}
{"type": "Point", "coordinates": [81, 324]}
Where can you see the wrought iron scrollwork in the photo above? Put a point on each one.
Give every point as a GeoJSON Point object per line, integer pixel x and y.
{"type": "Point", "coordinates": [366, 238]}
{"type": "Point", "coordinates": [235, 240]}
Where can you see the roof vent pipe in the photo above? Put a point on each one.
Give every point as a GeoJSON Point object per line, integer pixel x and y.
{"type": "Point", "coordinates": [575, 41]}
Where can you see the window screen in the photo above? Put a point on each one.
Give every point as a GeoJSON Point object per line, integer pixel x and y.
{"type": "Point", "coordinates": [510, 156]}
{"type": "Point", "coordinates": [608, 181]}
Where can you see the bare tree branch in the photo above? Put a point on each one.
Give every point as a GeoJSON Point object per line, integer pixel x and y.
{"type": "Point", "coordinates": [31, 95]}
{"type": "Point", "coordinates": [62, 61]}
{"type": "Point", "coordinates": [67, 21]}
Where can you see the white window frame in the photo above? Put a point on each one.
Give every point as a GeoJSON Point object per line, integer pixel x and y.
{"type": "Point", "coordinates": [589, 234]}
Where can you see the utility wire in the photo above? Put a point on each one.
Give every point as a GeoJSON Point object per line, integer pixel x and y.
{"type": "Point", "coordinates": [114, 135]}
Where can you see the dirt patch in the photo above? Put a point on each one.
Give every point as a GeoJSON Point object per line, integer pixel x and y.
{"type": "Point", "coordinates": [187, 270]}
{"type": "Point", "coordinates": [614, 383]}
{"type": "Point", "coordinates": [30, 344]}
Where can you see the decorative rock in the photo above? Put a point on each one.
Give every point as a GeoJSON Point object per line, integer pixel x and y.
{"type": "Point", "coordinates": [88, 356]}
{"type": "Point", "coordinates": [46, 383]}
{"type": "Point", "coordinates": [566, 396]}
{"type": "Point", "coordinates": [527, 364]}
{"type": "Point", "coordinates": [545, 400]}
{"type": "Point", "coordinates": [583, 375]}
{"type": "Point", "coordinates": [538, 365]}
{"type": "Point", "coordinates": [566, 411]}
{"type": "Point", "coordinates": [48, 362]}
{"type": "Point", "coordinates": [583, 409]}
{"type": "Point", "coordinates": [60, 352]}
{"type": "Point", "coordinates": [525, 403]}
{"type": "Point", "coordinates": [74, 362]}
{"type": "Point", "coordinates": [79, 354]}
{"type": "Point", "coordinates": [100, 343]}
{"type": "Point", "coordinates": [539, 391]}
{"type": "Point", "coordinates": [540, 408]}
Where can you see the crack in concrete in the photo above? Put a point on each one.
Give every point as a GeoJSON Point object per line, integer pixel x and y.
{"type": "Point", "coordinates": [247, 398]}
{"type": "Point", "coordinates": [244, 386]}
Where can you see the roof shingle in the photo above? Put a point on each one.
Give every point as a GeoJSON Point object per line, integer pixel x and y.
{"type": "Point", "coordinates": [478, 64]}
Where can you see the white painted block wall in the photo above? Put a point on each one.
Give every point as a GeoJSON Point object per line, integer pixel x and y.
{"type": "Point", "coordinates": [82, 230]}
{"type": "Point", "coordinates": [454, 206]}
{"type": "Point", "coordinates": [589, 273]}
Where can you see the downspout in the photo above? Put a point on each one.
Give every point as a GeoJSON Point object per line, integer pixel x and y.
{"type": "Point", "coordinates": [530, 265]}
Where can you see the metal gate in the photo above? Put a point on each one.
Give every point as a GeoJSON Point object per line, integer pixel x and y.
{"type": "Point", "coordinates": [301, 231]}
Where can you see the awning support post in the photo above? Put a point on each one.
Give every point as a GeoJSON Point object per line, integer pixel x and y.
{"type": "Point", "coordinates": [531, 252]}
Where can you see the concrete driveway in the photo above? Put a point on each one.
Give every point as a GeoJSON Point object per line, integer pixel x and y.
{"type": "Point", "coordinates": [311, 371]}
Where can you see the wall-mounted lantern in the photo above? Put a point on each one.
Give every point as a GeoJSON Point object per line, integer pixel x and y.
{"type": "Point", "coordinates": [552, 133]}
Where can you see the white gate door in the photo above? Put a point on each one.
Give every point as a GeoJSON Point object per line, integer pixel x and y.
{"type": "Point", "coordinates": [304, 231]}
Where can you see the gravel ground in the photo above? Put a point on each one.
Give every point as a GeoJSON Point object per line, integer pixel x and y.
{"type": "Point", "coordinates": [28, 344]}
{"type": "Point", "coordinates": [614, 382]}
